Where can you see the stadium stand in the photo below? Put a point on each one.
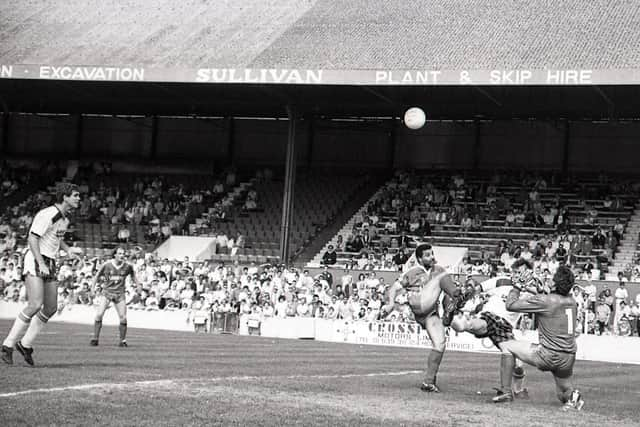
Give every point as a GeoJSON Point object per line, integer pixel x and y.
{"type": "Point", "coordinates": [490, 216]}
{"type": "Point", "coordinates": [316, 204]}
{"type": "Point", "coordinates": [135, 210]}
{"type": "Point", "coordinates": [411, 207]}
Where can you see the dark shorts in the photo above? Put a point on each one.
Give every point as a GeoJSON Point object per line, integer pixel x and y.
{"type": "Point", "coordinates": [558, 363]}
{"type": "Point", "coordinates": [114, 297]}
{"type": "Point", "coordinates": [499, 330]}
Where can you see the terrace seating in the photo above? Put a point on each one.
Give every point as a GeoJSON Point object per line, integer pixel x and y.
{"type": "Point", "coordinates": [316, 203]}
{"type": "Point", "coordinates": [585, 214]}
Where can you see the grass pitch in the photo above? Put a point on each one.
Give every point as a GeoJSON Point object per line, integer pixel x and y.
{"type": "Point", "coordinates": [171, 378]}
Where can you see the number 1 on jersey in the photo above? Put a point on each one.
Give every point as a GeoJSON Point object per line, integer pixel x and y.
{"type": "Point", "coordinates": [569, 313]}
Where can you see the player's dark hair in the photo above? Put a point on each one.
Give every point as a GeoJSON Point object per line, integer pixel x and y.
{"type": "Point", "coordinates": [422, 247]}
{"type": "Point", "coordinates": [520, 262]}
{"type": "Point", "coordinates": [564, 280]}
{"type": "Point", "coordinates": [63, 190]}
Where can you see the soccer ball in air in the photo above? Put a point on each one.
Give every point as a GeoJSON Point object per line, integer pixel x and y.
{"type": "Point", "coordinates": [414, 118]}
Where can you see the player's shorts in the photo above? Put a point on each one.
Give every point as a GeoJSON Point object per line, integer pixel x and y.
{"type": "Point", "coordinates": [114, 297]}
{"type": "Point", "coordinates": [499, 329]}
{"type": "Point", "coordinates": [557, 362]}
{"type": "Point", "coordinates": [30, 266]}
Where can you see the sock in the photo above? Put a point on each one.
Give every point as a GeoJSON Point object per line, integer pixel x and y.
{"type": "Point", "coordinates": [97, 326]}
{"type": "Point", "coordinates": [123, 331]}
{"type": "Point", "coordinates": [433, 364]}
{"type": "Point", "coordinates": [18, 329]}
{"type": "Point", "coordinates": [34, 329]}
{"type": "Point", "coordinates": [518, 379]}
{"type": "Point", "coordinates": [507, 363]}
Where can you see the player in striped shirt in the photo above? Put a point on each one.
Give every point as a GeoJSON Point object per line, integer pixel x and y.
{"type": "Point", "coordinates": [491, 320]}
{"type": "Point", "coordinates": [45, 241]}
{"type": "Point", "coordinates": [115, 273]}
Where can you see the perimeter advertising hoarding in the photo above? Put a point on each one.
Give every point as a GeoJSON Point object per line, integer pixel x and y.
{"type": "Point", "coordinates": [136, 73]}
{"type": "Point", "coordinates": [402, 335]}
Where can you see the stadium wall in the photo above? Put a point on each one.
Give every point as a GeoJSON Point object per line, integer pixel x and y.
{"type": "Point", "coordinates": [116, 137]}
{"type": "Point", "coordinates": [603, 349]}
{"type": "Point", "coordinates": [531, 144]}
{"type": "Point", "coordinates": [188, 139]}
{"type": "Point", "coordinates": [41, 135]}
{"type": "Point", "coordinates": [195, 247]}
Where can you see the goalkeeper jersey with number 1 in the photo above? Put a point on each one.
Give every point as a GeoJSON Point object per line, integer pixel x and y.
{"type": "Point", "coordinates": [556, 317]}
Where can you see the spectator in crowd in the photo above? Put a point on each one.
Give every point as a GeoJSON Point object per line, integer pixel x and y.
{"type": "Point", "coordinates": [330, 256]}
{"type": "Point", "coordinates": [635, 319]}
{"type": "Point", "coordinates": [603, 314]}
{"type": "Point", "coordinates": [400, 259]}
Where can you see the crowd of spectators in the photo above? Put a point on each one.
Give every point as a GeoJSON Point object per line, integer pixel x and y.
{"type": "Point", "coordinates": [158, 204]}
{"type": "Point", "coordinates": [268, 290]}
{"type": "Point", "coordinates": [608, 312]}
{"type": "Point", "coordinates": [410, 207]}
{"type": "Point", "coordinates": [379, 240]}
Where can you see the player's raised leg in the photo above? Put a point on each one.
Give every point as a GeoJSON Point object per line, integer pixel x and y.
{"type": "Point", "coordinates": [101, 307]}
{"type": "Point", "coordinates": [121, 308]}
{"type": "Point", "coordinates": [48, 309]}
{"type": "Point", "coordinates": [35, 296]}
{"type": "Point", "coordinates": [436, 332]}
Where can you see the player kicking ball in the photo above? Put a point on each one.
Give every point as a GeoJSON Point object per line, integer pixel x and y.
{"type": "Point", "coordinates": [556, 319]}
{"type": "Point", "coordinates": [424, 283]}
{"type": "Point", "coordinates": [114, 272]}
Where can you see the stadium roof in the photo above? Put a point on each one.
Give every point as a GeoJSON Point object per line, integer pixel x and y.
{"type": "Point", "coordinates": [368, 42]}
{"type": "Point", "coordinates": [458, 59]}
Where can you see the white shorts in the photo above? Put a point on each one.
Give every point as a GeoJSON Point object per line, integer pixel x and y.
{"type": "Point", "coordinates": [30, 266]}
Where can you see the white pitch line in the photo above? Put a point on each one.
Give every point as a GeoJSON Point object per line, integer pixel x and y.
{"type": "Point", "coordinates": [167, 382]}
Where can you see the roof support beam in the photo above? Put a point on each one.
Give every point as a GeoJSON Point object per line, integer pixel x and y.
{"type": "Point", "coordinates": [289, 186]}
